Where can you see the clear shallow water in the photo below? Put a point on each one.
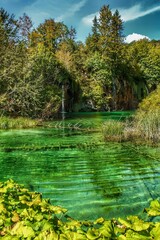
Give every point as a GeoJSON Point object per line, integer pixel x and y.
{"type": "Point", "coordinates": [91, 181]}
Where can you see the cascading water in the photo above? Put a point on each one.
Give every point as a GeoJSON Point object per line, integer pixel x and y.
{"type": "Point", "coordinates": [114, 95]}
{"type": "Point", "coordinates": [63, 102]}
{"type": "Point", "coordinates": [63, 108]}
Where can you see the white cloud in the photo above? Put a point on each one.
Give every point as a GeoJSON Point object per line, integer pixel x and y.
{"type": "Point", "coordinates": [136, 12]}
{"type": "Point", "coordinates": [72, 10]}
{"type": "Point", "coordinates": [57, 9]}
{"type": "Point", "coordinates": [127, 14]}
{"type": "Point", "coordinates": [38, 11]}
{"type": "Point", "coordinates": [135, 37]}
{"type": "Point", "coordinates": [88, 20]}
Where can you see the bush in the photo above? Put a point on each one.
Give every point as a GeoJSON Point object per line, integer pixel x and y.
{"type": "Point", "coordinates": [151, 102]}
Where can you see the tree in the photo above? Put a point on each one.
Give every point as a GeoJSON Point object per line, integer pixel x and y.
{"type": "Point", "coordinates": [21, 94]}
{"type": "Point", "coordinates": [137, 54]}
{"type": "Point", "coordinates": [150, 66]}
{"type": "Point", "coordinates": [104, 73]}
{"type": "Point", "coordinates": [49, 34]}
{"type": "Point", "coordinates": [92, 41]}
{"type": "Point", "coordinates": [8, 27]}
{"type": "Point", "coordinates": [8, 38]}
{"type": "Point", "coordinates": [99, 74]}
{"type": "Point", "coordinates": [25, 26]}
{"type": "Point", "coordinates": [107, 40]}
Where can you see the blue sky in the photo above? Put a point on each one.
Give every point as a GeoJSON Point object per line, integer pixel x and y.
{"type": "Point", "coordinates": [141, 17]}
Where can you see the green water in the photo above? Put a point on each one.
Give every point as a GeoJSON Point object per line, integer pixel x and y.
{"type": "Point", "coordinates": [77, 170]}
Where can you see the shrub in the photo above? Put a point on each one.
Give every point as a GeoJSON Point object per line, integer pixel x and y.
{"type": "Point", "coordinates": [151, 102]}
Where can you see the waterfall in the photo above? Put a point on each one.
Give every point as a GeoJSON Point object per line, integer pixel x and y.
{"type": "Point", "coordinates": [63, 101]}
{"type": "Point", "coordinates": [114, 94]}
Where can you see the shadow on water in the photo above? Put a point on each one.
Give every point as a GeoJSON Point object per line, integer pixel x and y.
{"type": "Point", "coordinates": [79, 172]}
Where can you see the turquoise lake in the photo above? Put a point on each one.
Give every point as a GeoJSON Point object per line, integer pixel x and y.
{"type": "Point", "coordinates": [76, 169]}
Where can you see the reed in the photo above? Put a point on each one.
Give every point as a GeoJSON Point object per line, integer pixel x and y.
{"type": "Point", "coordinates": [143, 127]}
{"type": "Point", "coordinates": [113, 130]}
{"type": "Point", "coordinates": [147, 124]}
{"type": "Point", "coordinates": [147, 117]}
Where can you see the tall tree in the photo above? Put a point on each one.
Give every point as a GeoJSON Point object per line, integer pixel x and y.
{"type": "Point", "coordinates": [8, 38]}
{"type": "Point", "coordinates": [49, 35]}
{"type": "Point", "coordinates": [107, 40]}
{"type": "Point", "coordinates": [92, 41]}
{"type": "Point", "coordinates": [116, 54]}
{"type": "Point", "coordinates": [25, 26]}
{"type": "Point", "coordinates": [8, 27]}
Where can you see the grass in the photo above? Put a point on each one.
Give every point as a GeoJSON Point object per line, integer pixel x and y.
{"type": "Point", "coordinates": [17, 123]}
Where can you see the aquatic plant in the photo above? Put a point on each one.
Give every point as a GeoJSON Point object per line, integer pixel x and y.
{"type": "Point", "coordinates": [26, 215]}
{"type": "Point", "coordinates": [113, 130]}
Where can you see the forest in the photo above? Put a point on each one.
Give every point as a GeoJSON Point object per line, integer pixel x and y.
{"type": "Point", "coordinates": [102, 74]}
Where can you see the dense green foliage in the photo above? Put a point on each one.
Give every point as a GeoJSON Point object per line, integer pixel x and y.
{"type": "Point", "coordinates": [103, 73]}
{"type": "Point", "coordinates": [26, 215]}
{"type": "Point", "coordinates": [151, 102]}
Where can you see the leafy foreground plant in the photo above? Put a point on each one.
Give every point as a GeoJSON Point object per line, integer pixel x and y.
{"type": "Point", "coordinates": [25, 215]}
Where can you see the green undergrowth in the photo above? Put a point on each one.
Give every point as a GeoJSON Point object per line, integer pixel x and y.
{"type": "Point", "coordinates": [18, 123]}
{"type": "Point", "coordinates": [26, 215]}
{"type": "Point", "coordinates": [81, 146]}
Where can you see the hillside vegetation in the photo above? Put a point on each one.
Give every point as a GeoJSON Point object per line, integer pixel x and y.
{"type": "Point", "coordinates": [101, 74]}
